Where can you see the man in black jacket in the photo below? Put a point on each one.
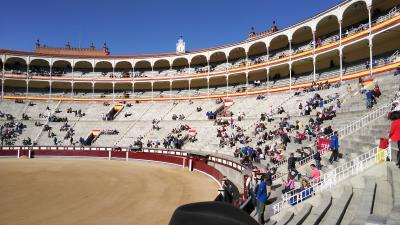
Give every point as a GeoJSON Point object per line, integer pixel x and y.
{"type": "Point", "coordinates": [292, 165]}
{"type": "Point", "coordinates": [317, 158]}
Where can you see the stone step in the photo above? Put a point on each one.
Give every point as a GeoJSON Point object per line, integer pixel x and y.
{"type": "Point", "coordinates": [394, 179]}
{"type": "Point", "coordinates": [339, 206]}
{"type": "Point", "coordinates": [285, 218]}
{"type": "Point", "coordinates": [301, 215]}
{"type": "Point", "coordinates": [365, 205]}
{"type": "Point", "coordinates": [318, 212]}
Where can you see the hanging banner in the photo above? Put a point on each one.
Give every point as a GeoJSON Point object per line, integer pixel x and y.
{"type": "Point", "coordinates": [323, 144]}
{"type": "Point", "coordinates": [228, 103]}
{"type": "Point", "coordinates": [383, 145]}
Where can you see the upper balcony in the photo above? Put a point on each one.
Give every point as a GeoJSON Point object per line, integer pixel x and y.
{"type": "Point", "coordinates": [336, 27]}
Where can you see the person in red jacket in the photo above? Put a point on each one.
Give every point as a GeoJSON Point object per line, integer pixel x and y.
{"type": "Point", "coordinates": [394, 135]}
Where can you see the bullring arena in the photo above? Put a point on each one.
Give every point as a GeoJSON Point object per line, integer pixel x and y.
{"type": "Point", "coordinates": [71, 191]}
{"type": "Point", "coordinates": [293, 125]}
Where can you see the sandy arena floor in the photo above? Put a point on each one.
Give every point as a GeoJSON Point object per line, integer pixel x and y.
{"type": "Point", "coordinates": [84, 191]}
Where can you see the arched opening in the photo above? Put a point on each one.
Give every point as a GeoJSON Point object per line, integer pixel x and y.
{"type": "Point", "coordinates": [103, 89]}
{"type": "Point", "coordinates": [60, 88]}
{"type": "Point", "coordinates": [327, 31]}
{"type": "Point", "coordinates": [37, 88]}
{"type": "Point", "coordinates": [162, 87]}
{"type": "Point", "coordinates": [302, 40]}
{"type": "Point", "coordinates": [260, 75]}
{"type": "Point", "coordinates": [382, 8]}
{"type": "Point", "coordinates": [302, 71]}
{"type": "Point", "coordinates": [82, 89]}
{"type": "Point", "coordinates": [14, 87]}
{"type": "Point", "coordinates": [123, 69]}
{"type": "Point", "coordinates": [237, 82]}
{"type": "Point", "coordinates": [143, 69]}
{"type": "Point", "coordinates": [61, 67]}
{"type": "Point", "coordinates": [142, 89]}
{"type": "Point", "coordinates": [39, 67]}
{"type": "Point", "coordinates": [103, 68]}
{"type": "Point", "coordinates": [327, 65]}
{"type": "Point", "coordinates": [182, 87]}
{"type": "Point", "coordinates": [163, 67]}
{"type": "Point", "coordinates": [15, 65]}
{"type": "Point", "coordinates": [356, 57]}
{"type": "Point", "coordinates": [199, 85]}
{"type": "Point", "coordinates": [123, 89]}
{"type": "Point", "coordinates": [279, 75]}
{"type": "Point", "coordinates": [237, 57]}
{"type": "Point", "coordinates": [199, 63]}
{"type": "Point", "coordinates": [384, 47]}
{"type": "Point", "coordinates": [257, 53]}
{"type": "Point", "coordinates": [83, 68]}
{"type": "Point", "coordinates": [279, 47]}
{"type": "Point", "coordinates": [218, 61]}
{"type": "Point", "coordinates": [355, 18]}
{"type": "Point", "coordinates": [218, 85]}
{"type": "Point", "coordinates": [180, 65]}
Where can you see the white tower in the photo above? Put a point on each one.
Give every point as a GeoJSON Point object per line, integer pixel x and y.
{"type": "Point", "coordinates": [180, 46]}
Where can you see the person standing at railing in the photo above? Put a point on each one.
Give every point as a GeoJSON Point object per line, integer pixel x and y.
{"type": "Point", "coordinates": [394, 134]}
{"type": "Point", "coordinates": [334, 146]}
{"type": "Point", "coordinates": [315, 174]}
{"type": "Point", "coordinates": [317, 158]}
{"type": "Point", "coordinates": [292, 165]}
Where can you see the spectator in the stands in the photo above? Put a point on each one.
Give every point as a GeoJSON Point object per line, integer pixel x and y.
{"type": "Point", "coordinates": [370, 98]}
{"type": "Point", "coordinates": [81, 141]}
{"type": "Point", "coordinates": [262, 197]}
{"type": "Point", "coordinates": [394, 135]}
{"type": "Point", "coordinates": [292, 165]}
{"type": "Point", "coordinates": [268, 179]}
{"type": "Point", "coordinates": [317, 158]}
{"type": "Point", "coordinates": [288, 184]}
{"type": "Point", "coordinates": [334, 146]}
{"type": "Point", "coordinates": [315, 173]}
{"type": "Point", "coordinates": [305, 189]}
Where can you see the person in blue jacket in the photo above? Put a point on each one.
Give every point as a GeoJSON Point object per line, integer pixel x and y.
{"type": "Point", "coordinates": [370, 98]}
{"type": "Point", "coordinates": [334, 146]}
{"type": "Point", "coordinates": [262, 197]}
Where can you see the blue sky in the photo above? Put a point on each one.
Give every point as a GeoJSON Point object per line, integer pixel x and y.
{"type": "Point", "coordinates": [149, 26]}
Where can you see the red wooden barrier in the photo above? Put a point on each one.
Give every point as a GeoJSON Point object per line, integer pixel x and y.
{"type": "Point", "coordinates": [8, 153]}
{"type": "Point", "coordinates": [76, 153]}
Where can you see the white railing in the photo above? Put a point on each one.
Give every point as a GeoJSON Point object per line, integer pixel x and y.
{"type": "Point", "coordinates": [333, 177]}
{"type": "Point", "coordinates": [392, 13]}
{"type": "Point", "coordinates": [365, 120]}
{"type": "Point", "coordinates": [349, 129]}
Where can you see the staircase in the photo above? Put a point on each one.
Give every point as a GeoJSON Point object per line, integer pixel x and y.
{"type": "Point", "coordinates": [373, 197]}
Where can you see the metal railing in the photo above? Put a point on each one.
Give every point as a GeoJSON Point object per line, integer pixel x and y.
{"type": "Point", "coordinates": [365, 120]}
{"type": "Point", "coordinates": [392, 13]}
{"type": "Point", "coordinates": [348, 130]}
{"type": "Point", "coordinates": [333, 177]}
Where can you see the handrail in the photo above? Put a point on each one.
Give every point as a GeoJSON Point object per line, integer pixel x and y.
{"type": "Point", "coordinates": [300, 162]}
{"type": "Point", "coordinates": [333, 177]}
{"type": "Point", "coordinates": [365, 120]}
{"type": "Point", "coordinates": [348, 130]}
